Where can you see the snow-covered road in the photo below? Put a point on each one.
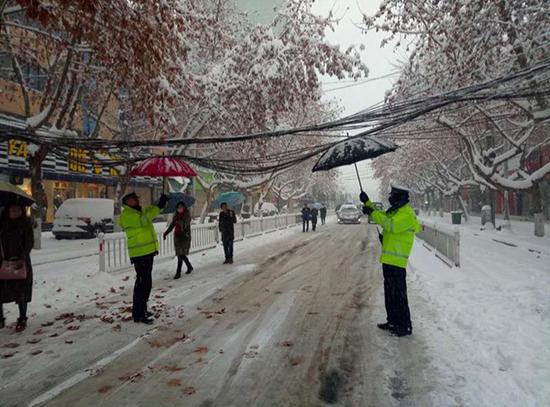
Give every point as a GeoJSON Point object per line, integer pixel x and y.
{"type": "Point", "coordinates": [292, 323]}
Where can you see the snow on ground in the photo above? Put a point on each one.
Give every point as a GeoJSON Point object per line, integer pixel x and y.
{"type": "Point", "coordinates": [66, 272]}
{"type": "Point", "coordinates": [487, 323]}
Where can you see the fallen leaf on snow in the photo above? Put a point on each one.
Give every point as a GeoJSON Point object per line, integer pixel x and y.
{"type": "Point", "coordinates": [133, 377]}
{"type": "Point", "coordinates": [8, 355]}
{"type": "Point", "coordinates": [11, 345]}
{"type": "Point", "coordinates": [73, 328]}
{"type": "Point", "coordinates": [68, 342]}
{"type": "Point", "coordinates": [104, 389]}
{"type": "Point", "coordinates": [296, 360]}
{"type": "Point", "coordinates": [117, 328]}
{"type": "Point", "coordinates": [126, 278]}
{"type": "Point", "coordinates": [59, 290]}
{"type": "Point", "coordinates": [47, 306]}
{"type": "Point", "coordinates": [34, 340]}
{"type": "Point", "coordinates": [36, 352]}
{"type": "Point", "coordinates": [286, 344]}
{"type": "Point", "coordinates": [54, 335]}
{"type": "Point", "coordinates": [201, 349]}
{"type": "Point", "coordinates": [174, 382]}
{"type": "Point", "coordinates": [49, 323]}
{"type": "Point", "coordinates": [189, 390]}
{"type": "Point", "coordinates": [113, 290]}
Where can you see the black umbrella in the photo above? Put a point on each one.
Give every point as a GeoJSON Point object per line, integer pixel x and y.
{"type": "Point", "coordinates": [352, 150]}
{"type": "Point", "coordinates": [11, 194]}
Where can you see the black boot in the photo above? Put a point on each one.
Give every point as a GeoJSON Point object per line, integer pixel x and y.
{"type": "Point", "coordinates": [188, 264]}
{"type": "Point", "coordinates": [21, 324]}
{"type": "Point", "coordinates": [178, 270]}
{"type": "Point", "coordinates": [2, 323]}
{"type": "Point", "coordinates": [144, 320]}
{"type": "Point", "coordinates": [386, 326]}
{"type": "Point", "coordinates": [399, 331]}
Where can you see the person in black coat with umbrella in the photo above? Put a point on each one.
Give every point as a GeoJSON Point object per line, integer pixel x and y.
{"type": "Point", "coordinates": [226, 224]}
{"type": "Point", "coordinates": [314, 214]}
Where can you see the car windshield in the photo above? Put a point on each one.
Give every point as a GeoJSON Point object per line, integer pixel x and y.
{"type": "Point", "coordinates": [349, 209]}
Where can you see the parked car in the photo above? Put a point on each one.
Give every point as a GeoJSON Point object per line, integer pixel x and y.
{"type": "Point", "coordinates": [348, 213]}
{"type": "Point", "coordinates": [379, 207]}
{"type": "Point", "coordinates": [83, 218]}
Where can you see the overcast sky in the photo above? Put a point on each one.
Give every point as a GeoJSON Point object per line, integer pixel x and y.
{"type": "Point", "coordinates": [380, 61]}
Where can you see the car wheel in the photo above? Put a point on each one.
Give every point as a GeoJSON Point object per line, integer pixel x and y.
{"type": "Point", "coordinates": [57, 237]}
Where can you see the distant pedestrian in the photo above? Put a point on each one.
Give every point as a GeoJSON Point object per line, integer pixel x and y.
{"type": "Point", "coordinates": [143, 246]}
{"type": "Point", "coordinates": [323, 213]}
{"type": "Point", "coordinates": [16, 243]}
{"type": "Point", "coordinates": [306, 216]}
{"type": "Point", "coordinates": [314, 215]}
{"type": "Point", "coordinates": [399, 225]}
{"type": "Point", "coordinates": [226, 224]}
{"type": "Point", "coordinates": [181, 225]}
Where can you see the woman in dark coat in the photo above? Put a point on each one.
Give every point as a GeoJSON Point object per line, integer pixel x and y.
{"type": "Point", "coordinates": [181, 224]}
{"type": "Point", "coordinates": [16, 240]}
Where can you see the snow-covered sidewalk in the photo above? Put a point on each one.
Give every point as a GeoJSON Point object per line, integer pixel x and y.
{"type": "Point", "coordinates": [487, 323]}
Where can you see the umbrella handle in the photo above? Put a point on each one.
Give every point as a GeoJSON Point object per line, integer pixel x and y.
{"type": "Point", "coordinates": [358, 178]}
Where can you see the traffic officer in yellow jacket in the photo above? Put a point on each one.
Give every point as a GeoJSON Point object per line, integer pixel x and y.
{"type": "Point", "coordinates": [143, 246]}
{"type": "Point", "coordinates": [400, 226]}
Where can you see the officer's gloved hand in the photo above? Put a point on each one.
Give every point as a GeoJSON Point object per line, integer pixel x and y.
{"type": "Point", "coordinates": [363, 197]}
{"type": "Point", "coordinates": [162, 201]}
{"type": "Point", "coordinates": [367, 210]}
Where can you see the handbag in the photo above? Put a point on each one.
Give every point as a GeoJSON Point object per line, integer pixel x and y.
{"type": "Point", "coordinates": [12, 269]}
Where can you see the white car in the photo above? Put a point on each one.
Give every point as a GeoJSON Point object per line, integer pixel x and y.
{"type": "Point", "coordinates": [349, 214]}
{"type": "Point", "coordinates": [83, 218]}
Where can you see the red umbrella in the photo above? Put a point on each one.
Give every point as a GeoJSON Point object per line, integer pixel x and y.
{"type": "Point", "coordinates": [163, 167]}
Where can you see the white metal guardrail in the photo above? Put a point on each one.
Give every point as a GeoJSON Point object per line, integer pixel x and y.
{"type": "Point", "coordinates": [445, 242]}
{"type": "Point", "coordinates": [113, 253]}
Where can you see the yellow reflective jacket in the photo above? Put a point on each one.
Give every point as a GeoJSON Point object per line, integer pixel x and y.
{"type": "Point", "coordinates": [140, 232]}
{"type": "Point", "coordinates": [400, 227]}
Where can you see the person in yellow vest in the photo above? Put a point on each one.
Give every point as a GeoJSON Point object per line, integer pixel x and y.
{"type": "Point", "coordinates": [400, 226]}
{"type": "Point", "coordinates": [143, 246]}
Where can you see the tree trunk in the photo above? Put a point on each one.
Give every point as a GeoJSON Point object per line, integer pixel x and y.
{"type": "Point", "coordinates": [40, 208]}
{"type": "Point", "coordinates": [507, 223]}
{"type": "Point", "coordinates": [206, 205]}
{"type": "Point", "coordinates": [440, 204]}
{"type": "Point", "coordinates": [464, 207]}
{"type": "Point", "coordinates": [537, 208]}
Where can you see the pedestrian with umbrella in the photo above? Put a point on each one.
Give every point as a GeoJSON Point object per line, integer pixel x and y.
{"type": "Point", "coordinates": [16, 243]}
{"type": "Point", "coordinates": [143, 246]}
{"type": "Point", "coordinates": [226, 225]}
{"type": "Point", "coordinates": [181, 225]}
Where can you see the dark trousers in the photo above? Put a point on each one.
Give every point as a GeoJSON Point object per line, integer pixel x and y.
{"type": "Point", "coordinates": [144, 282]}
{"type": "Point", "coordinates": [322, 220]}
{"type": "Point", "coordinates": [305, 225]}
{"type": "Point", "coordinates": [228, 249]}
{"type": "Point", "coordinates": [314, 224]}
{"type": "Point", "coordinates": [395, 296]}
{"type": "Point", "coordinates": [181, 260]}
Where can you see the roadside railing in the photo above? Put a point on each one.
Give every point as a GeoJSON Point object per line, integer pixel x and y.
{"type": "Point", "coordinates": [113, 253]}
{"type": "Point", "coordinates": [446, 243]}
